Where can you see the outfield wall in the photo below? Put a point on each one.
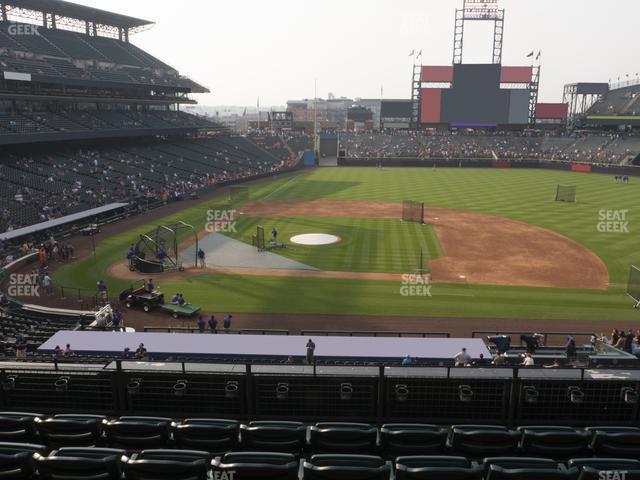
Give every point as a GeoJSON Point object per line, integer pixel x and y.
{"type": "Point", "coordinates": [487, 163]}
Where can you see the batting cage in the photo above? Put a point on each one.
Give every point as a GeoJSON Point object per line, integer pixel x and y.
{"type": "Point", "coordinates": [239, 194]}
{"type": "Point", "coordinates": [566, 193]}
{"type": "Point", "coordinates": [633, 287]}
{"type": "Point", "coordinates": [157, 251]}
{"type": "Point", "coordinates": [412, 211]}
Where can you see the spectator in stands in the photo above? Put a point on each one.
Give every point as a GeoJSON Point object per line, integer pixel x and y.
{"type": "Point", "coordinates": [621, 341]}
{"type": "Point", "coordinates": [21, 347]}
{"type": "Point", "coordinates": [462, 358]}
{"type": "Point", "coordinates": [213, 324]}
{"type": "Point", "coordinates": [499, 360]}
{"type": "Point", "coordinates": [201, 258]}
{"type": "Point", "coordinates": [628, 342]}
{"type": "Point", "coordinates": [289, 360]}
{"type": "Point", "coordinates": [57, 352]}
{"type": "Point", "coordinates": [3, 299]}
{"type": "Point", "coordinates": [47, 284]}
{"type": "Point", "coordinates": [141, 352]}
{"type": "Point", "coordinates": [116, 319]}
{"type": "Point", "coordinates": [67, 351]}
{"type": "Point", "coordinates": [226, 323]}
{"type": "Point", "coordinates": [407, 361]}
{"type": "Point", "coordinates": [201, 324]}
{"type": "Point", "coordinates": [102, 291]}
{"type": "Point", "coordinates": [570, 348]}
{"type": "Point", "coordinates": [615, 336]}
{"type": "Point", "coordinates": [528, 361]}
{"type": "Point", "coordinates": [126, 353]}
{"type": "Point", "coordinates": [311, 352]}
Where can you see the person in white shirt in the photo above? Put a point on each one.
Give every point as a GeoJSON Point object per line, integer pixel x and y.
{"type": "Point", "coordinates": [528, 360]}
{"type": "Point", "coordinates": [462, 358]}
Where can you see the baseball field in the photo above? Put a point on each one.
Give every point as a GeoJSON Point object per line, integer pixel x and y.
{"type": "Point", "coordinates": [495, 243]}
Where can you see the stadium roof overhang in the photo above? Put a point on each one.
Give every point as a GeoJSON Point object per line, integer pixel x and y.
{"type": "Point", "coordinates": [80, 12]}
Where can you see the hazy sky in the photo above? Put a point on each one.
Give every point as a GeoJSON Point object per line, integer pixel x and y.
{"type": "Point", "coordinates": [242, 49]}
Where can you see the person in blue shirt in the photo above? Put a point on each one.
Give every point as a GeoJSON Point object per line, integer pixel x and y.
{"type": "Point", "coordinates": [407, 361]}
{"type": "Point", "coordinates": [175, 299]}
{"type": "Point", "coordinates": [201, 324]}
{"type": "Point", "coordinates": [201, 258]}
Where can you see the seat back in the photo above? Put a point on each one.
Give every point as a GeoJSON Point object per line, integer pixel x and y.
{"type": "Point", "coordinates": [479, 440]}
{"type": "Point", "coordinates": [346, 467]}
{"type": "Point", "coordinates": [216, 436]}
{"type": "Point", "coordinates": [80, 468]}
{"type": "Point", "coordinates": [412, 439]}
{"type": "Point", "coordinates": [289, 437]}
{"type": "Point", "coordinates": [258, 465]}
{"type": "Point", "coordinates": [615, 441]}
{"type": "Point", "coordinates": [343, 438]}
{"type": "Point", "coordinates": [17, 426]}
{"type": "Point", "coordinates": [58, 432]}
{"type": "Point", "coordinates": [556, 442]}
{"type": "Point", "coordinates": [136, 435]}
{"type": "Point", "coordinates": [166, 469]}
{"type": "Point", "coordinates": [496, 472]}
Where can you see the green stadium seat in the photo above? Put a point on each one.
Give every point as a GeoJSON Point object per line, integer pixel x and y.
{"type": "Point", "coordinates": [346, 467]}
{"type": "Point", "coordinates": [477, 441]}
{"type": "Point", "coordinates": [412, 439]}
{"type": "Point", "coordinates": [420, 467]}
{"type": "Point", "coordinates": [554, 441]}
{"type": "Point", "coordinates": [343, 438]}
{"type": "Point", "coordinates": [258, 466]}
{"type": "Point", "coordinates": [212, 435]}
{"type": "Point", "coordinates": [273, 436]}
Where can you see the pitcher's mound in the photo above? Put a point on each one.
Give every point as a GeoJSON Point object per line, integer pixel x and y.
{"type": "Point", "coordinates": [314, 239]}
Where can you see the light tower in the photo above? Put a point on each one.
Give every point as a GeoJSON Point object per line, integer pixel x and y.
{"type": "Point", "coordinates": [479, 11]}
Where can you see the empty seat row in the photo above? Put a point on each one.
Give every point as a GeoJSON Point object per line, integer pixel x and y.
{"type": "Point", "coordinates": [218, 436]}
{"type": "Point", "coordinates": [30, 462]}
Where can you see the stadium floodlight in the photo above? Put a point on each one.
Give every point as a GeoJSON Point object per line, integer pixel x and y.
{"type": "Point", "coordinates": [465, 393]}
{"type": "Point", "coordinates": [576, 395]}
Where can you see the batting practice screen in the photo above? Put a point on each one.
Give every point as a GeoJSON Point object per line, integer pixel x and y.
{"type": "Point", "coordinates": [566, 193]}
{"type": "Point", "coordinates": [412, 211]}
{"type": "Point", "coordinates": [633, 287]}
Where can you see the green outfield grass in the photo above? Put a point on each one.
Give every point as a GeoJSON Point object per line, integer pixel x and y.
{"type": "Point", "coordinates": [525, 195]}
{"type": "Point", "coordinates": [366, 244]}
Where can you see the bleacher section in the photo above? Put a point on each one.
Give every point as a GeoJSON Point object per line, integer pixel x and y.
{"type": "Point", "coordinates": [87, 447]}
{"type": "Point", "coordinates": [48, 185]}
{"type": "Point", "coordinates": [621, 101]}
{"type": "Point", "coordinates": [597, 148]}
{"type": "Point", "coordinates": [97, 121]}
{"type": "Point", "coordinates": [57, 55]}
